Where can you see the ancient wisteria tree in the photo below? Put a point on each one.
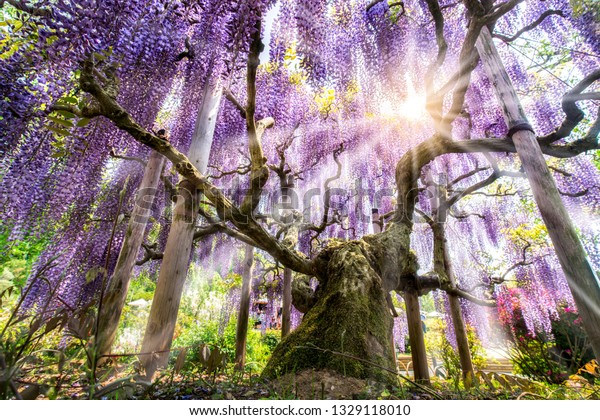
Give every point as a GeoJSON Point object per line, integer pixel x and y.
{"type": "Point", "coordinates": [429, 114]}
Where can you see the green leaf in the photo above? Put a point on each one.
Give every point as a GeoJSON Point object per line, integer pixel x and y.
{"type": "Point", "coordinates": [58, 144]}
{"type": "Point", "coordinates": [68, 99]}
{"type": "Point", "coordinates": [83, 122]}
{"type": "Point", "coordinates": [68, 115]}
{"type": "Point", "coordinates": [60, 121]}
{"type": "Point", "coordinates": [58, 131]}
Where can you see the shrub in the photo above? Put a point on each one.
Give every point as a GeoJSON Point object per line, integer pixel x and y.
{"type": "Point", "coordinates": [258, 347]}
{"type": "Point", "coordinates": [438, 344]}
{"type": "Point", "coordinates": [546, 356]}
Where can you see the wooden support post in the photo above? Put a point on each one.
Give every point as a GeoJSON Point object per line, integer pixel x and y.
{"type": "Point", "coordinates": [462, 342]}
{"type": "Point", "coordinates": [416, 337]}
{"type": "Point", "coordinates": [173, 270]}
{"type": "Point", "coordinates": [375, 220]}
{"type": "Point", "coordinates": [442, 265]}
{"type": "Point", "coordinates": [290, 204]}
{"type": "Point", "coordinates": [241, 334]}
{"type": "Point", "coordinates": [286, 304]}
{"type": "Point", "coordinates": [417, 340]}
{"type": "Point", "coordinates": [580, 274]}
{"type": "Point", "coordinates": [118, 286]}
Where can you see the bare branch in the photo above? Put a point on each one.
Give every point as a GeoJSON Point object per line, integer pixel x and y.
{"type": "Point", "coordinates": [150, 253]}
{"type": "Point", "coordinates": [468, 58]}
{"type": "Point", "coordinates": [86, 112]}
{"type": "Point", "coordinates": [474, 189]}
{"type": "Point", "coordinates": [568, 150]}
{"type": "Point", "coordinates": [428, 219]}
{"type": "Point", "coordinates": [499, 193]}
{"type": "Point", "coordinates": [409, 167]}
{"type": "Point", "coordinates": [231, 98]}
{"type": "Point", "coordinates": [560, 171]}
{"type": "Point", "coordinates": [481, 302]}
{"type": "Point", "coordinates": [188, 52]}
{"type": "Point", "coordinates": [592, 134]}
{"type": "Point", "coordinates": [466, 175]}
{"type": "Point", "coordinates": [130, 158]}
{"type": "Point", "coordinates": [586, 96]}
{"type": "Point", "coordinates": [530, 26]}
{"type": "Point", "coordinates": [223, 228]}
{"type": "Point", "coordinates": [240, 170]}
{"type": "Point", "coordinates": [327, 219]}
{"type": "Point", "coordinates": [328, 181]}
{"type": "Point", "coordinates": [500, 10]}
{"type": "Point", "coordinates": [169, 186]}
{"type": "Point", "coordinates": [390, 5]}
{"type": "Point", "coordinates": [521, 263]}
{"type": "Point", "coordinates": [465, 215]}
{"type": "Point", "coordinates": [574, 194]}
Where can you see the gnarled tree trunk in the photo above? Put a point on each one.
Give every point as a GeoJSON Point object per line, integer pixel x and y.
{"type": "Point", "coordinates": [348, 325]}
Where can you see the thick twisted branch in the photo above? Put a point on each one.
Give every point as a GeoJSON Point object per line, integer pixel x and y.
{"type": "Point", "coordinates": [573, 115]}
{"type": "Point", "coordinates": [408, 169]}
{"type": "Point", "coordinates": [109, 107]}
{"type": "Point", "coordinates": [259, 173]}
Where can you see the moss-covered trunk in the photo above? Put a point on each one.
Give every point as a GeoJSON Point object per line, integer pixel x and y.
{"type": "Point", "coordinates": [348, 324]}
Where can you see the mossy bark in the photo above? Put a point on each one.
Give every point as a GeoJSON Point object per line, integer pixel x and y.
{"type": "Point", "coordinates": [348, 326]}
